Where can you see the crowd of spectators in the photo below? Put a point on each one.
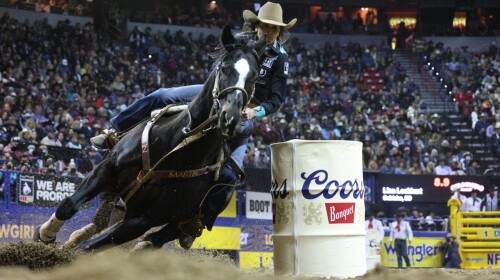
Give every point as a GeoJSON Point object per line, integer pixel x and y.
{"type": "Point", "coordinates": [215, 14]}
{"type": "Point", "coordinates": [60, 86]}
{"type": "Point", "coordinates": [471, 81]}
{"type": "Point", "coordinates": [67, 7]}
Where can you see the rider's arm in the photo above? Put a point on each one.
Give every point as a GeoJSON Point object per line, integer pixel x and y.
{"type": "Point", "coordinates": [274, 98]}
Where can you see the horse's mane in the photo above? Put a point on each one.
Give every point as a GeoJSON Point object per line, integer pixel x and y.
{"type": "Point", "coordinates": [242, 40]}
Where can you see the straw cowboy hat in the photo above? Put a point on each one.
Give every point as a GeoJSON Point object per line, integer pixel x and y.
{"type": "Point", "coordinates": [270, 13]}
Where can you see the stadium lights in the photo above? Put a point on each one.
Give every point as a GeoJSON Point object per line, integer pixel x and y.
{"type": "Point", "coordinates": [428, 63]}
{"type": "Point", "coordinates": [445, 86]}
{"type": "Point", "coordinates": [437, 73]}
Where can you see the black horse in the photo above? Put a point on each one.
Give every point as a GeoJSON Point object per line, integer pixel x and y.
{"type": "Point", "coordinates": [186, 148]}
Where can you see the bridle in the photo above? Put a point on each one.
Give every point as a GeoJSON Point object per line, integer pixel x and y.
{"type": "Point", "coordinates": [217, 95]}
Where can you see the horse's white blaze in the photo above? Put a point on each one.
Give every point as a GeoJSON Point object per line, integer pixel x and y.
{"type": "Point", "coordinates": [243, 68]}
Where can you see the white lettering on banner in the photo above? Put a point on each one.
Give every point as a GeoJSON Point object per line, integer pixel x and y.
{"type": "Point", "coordinates": [258, 206]}
{"type": "Point", "coordinates": [340, 213]}
{"type": "Point", "coordinates": [401, 194]}
{"type": "Point", "coordinates": [46, 191]}
{"type": "Point", "coordinates": [44, 185]}
{"type": "Point", "coordinates": [16, 231]}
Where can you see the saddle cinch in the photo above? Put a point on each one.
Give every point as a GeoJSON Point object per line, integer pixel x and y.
{"type": "Point", "coordinates": [192, 226]}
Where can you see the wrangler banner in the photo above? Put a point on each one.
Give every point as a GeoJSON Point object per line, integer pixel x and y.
{"type": "Point", "coordinates": [423, 252]}
{"type": "Point", "coordinates": [44, 190]}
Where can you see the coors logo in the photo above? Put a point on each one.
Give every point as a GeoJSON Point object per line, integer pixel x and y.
{"type": "Point", "coordinates": [340, 213]}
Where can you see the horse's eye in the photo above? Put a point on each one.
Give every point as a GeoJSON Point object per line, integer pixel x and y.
{"type": "Point", "coordinates": [225, 70]}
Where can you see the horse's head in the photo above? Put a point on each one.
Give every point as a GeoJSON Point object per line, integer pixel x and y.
{"type": "Point", "coordinates": [236, 74]}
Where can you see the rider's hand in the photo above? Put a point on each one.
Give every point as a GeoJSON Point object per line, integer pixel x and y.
{"type": "Point", "coordinates": [248, 114]}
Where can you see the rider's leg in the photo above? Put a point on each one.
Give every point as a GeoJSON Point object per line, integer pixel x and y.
{"type": "Point", "coordinates": [142, 108]}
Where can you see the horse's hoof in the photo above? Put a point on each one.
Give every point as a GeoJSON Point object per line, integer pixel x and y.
{"type": "Point", "coordinates": [186, 241]}
{"type": "Point", "coordinates": [38, 238]}
{"type": "Point", "coordinates": [85, 246]}
{"type": "Point", "coordinates": [143, 245]}
{"type": "Point", "coordinates": [78, 236]}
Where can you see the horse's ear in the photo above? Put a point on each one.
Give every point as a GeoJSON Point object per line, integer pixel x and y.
{"type": "Point", "coordinates": [260, 45]}
{"type": "Point", "coordinates": [227, 37]}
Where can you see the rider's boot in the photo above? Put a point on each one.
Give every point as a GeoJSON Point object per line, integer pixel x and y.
{"type": "Point", "coordinates": [106, 140]}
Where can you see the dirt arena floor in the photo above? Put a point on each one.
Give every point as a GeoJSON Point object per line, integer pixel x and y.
{"type": "Point", "coordinates": [28, 260]}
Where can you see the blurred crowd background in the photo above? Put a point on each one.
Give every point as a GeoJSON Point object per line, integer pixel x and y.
{"type": "Point", "coordinates": [61, 84]}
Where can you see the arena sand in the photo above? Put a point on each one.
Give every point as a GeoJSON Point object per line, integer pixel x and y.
{"type": "Point", "coordinates": [33, 261]}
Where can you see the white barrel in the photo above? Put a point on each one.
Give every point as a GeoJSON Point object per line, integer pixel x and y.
{"type": "Point", "coordinates": [318, 208]}
{"type": "Point", "coordinates": [373, 240]}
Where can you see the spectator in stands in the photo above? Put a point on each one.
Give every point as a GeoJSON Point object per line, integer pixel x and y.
{"type": "Point", "coordinates": [450, 252]}
{"type": "Point", "coordinates": [401, 35]}
{"type": "Point", "coordinates": [494, 141]}
{"type": "Point", "coordinates": [72, 171]}
{"type": "Point", "coordinates": [473, 169]}
{"type": "Point", "coordinates": [387, 168]}
{"type": "Point", "coordinates": [416, 219]}
{"type": "Point", "coordinates": [432, 222]}
{"type": "Point", "coordinates": [480, 127]}
{"type": "Point", "coordinates": [491, 200]}
{"type": "Point", "coordinates": [443, 168]}
{"type": "Point", "coordinates": [473, 203]}
{"type": "Point", "coordinates": [50, 139]}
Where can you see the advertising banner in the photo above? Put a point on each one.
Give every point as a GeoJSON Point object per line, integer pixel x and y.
{"type": "Point", "coordinates": [257, 238]}
{"type": "Point", "coordinates": [480, 260]}
{"type": "Point", "coordinates": [253, 260]}
{"type": "Point", "coordinates": [258, 205]}
{"type": "Point", "coordinates": [44, 190]}
{"type": "Point", "coordinates": [423, 252]}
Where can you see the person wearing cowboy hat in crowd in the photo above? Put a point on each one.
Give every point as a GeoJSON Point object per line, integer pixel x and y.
{"type": "Point", "coordinates": [491, 201]}
{"type": "Point", "coordinates": [473, 203]}
{"type": "Point", "coordinates": [267, 99]}
{"type": "Point", "coordinates": [450, 252]}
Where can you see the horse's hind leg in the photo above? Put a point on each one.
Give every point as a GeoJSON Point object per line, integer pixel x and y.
{"type": "Point", "coordinates": [166, 234]}
{"type": "Point", "coordinates": [90, 187]}
{"type": "Point", "coordinates": [119, 233]}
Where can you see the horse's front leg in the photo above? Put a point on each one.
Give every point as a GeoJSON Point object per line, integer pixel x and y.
{"type": "Point", "coordinates": [121, 232]}
{"type": "Point", "coordinates": [91, 186]}
{"type": "Point", "coordinates": [99, 222]}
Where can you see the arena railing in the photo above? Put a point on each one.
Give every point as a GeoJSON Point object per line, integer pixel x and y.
{"type": "Point", "coordinates": [478, 235]}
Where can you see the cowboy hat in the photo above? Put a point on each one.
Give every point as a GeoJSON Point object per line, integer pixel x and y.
{"type": "Point", "coordinates": [270, 13]}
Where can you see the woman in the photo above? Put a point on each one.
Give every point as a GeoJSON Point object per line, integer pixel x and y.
{"type": "Point", "coordinates": [267, 99]}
